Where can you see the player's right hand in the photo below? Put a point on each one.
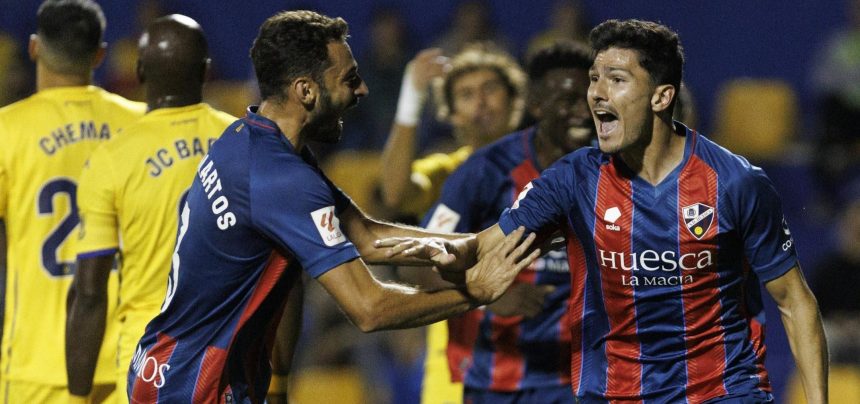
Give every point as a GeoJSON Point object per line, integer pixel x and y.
{"type": "Point", "coordinates": [494, 273]}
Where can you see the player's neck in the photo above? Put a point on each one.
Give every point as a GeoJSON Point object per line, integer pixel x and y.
{"type": "Point", "coordinates": [156, 100]}
{"type": "Point", "coordinates": [47, 78]}
{"type": "Point", "coordinates": [289, 120]}
{"type": "Point", "coordinates": [658, 156]}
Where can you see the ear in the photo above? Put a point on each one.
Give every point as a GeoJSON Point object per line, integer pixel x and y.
{"type": "Point", "coordinates": [662, 97]}
{"type": "Point", "coordinates": [304, 90]}
{"type": "Point", "coordinates": [33, 47]}
{"type": "Point", "coordinates": [100, 55]}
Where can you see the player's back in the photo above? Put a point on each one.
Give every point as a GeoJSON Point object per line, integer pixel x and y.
{"type": "Point", "coordinates": [140, 179]}
{"type": "Point", "coordinates": [47, 138]}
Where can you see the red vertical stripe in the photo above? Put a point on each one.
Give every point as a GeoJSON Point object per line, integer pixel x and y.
{"type": "Point", "coordinates": [157, 356]}
{"type": "Point", "coordinates": [271, 273]}
{"type": "Point", "coordinates": [571, 321]}
{"type": "Point", "coordinates": [209, 377]}
{"type": "Point", "coordinates": [508, 365]}
{"type": "Point", "coordinates": [612, 240]}
{"type": "Point", "coordinates": [462, 334]}
{"type": "Point", "coordinates": [704, 334]}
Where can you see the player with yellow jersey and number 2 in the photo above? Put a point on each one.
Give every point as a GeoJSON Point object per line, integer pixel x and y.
{"type": "Point", "coordinates": [46, 140]}
{"type": "Point", "coordinates": [131, 190]}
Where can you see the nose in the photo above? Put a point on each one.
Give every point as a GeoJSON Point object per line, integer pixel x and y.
{"type": "Point", "coordinates": [362, 90]}
{"type": "Point", "coordinates": [597, 91]}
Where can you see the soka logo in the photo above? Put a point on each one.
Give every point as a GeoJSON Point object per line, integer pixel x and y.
{"type": "Point", "coordinates": [611, 215]}
{"type": "Point", "coordinates": [328, 225]}
{"type": "Point", "coordinates": [698, 218]}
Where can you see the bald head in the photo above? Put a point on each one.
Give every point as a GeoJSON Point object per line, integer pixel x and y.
{"type": "Point", "coordinates": [173, 55]}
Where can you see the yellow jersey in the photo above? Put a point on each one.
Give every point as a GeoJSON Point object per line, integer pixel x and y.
{"type": "Point", "coordinates": [129, 197]}
{"type": "Point", "coordinates": [46, 140]}
{"type": "Point", "coordinates": [429, 174]}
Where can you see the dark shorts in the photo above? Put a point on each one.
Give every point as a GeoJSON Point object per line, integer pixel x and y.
{"type": "Point", "coordinates": [754, 397]}
{"type": "Point", "coordinates": [546, 395]}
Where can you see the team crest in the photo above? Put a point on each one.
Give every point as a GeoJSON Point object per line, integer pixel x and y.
{"type": "Point", "coordinates": [698, 218]}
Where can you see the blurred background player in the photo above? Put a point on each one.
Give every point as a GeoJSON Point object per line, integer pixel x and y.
{"type": "Point", "coordinates": [260, 211]}
{"type": "Point", "coordinates": [47, 138]}
{"type": "Point", "coordinates": [480, 92]}
{"type": "Point", "coordinates": [131, 190]}
{"type": "Point", "coordinates": [518, 348]}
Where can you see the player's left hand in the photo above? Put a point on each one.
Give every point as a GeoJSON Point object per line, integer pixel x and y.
{"type": "Point", "coordinates": [433, 250]}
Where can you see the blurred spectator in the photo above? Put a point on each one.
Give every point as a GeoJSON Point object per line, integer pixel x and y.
{"type": "Point", "coordinates": [836, 78]}
{"type": "Point", "coordinates": [568, 21]}
{"type": "Point", "coordinates": [836, 284]}
{"type": "Point", "coordinates": [386, 57]}
{"type": "Point", "coordinates": [16, 79]}
{"type": "Point", "coordinates": [122, 58]}
{"type": "Point", "coordinates": [472, 23]}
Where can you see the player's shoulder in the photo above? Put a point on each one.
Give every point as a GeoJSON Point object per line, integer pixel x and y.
{"type": "Point", "coordinates": [15, 109]}
{"type": "Point", "coordinates": [219, 116]}
{"type": "Point", "coordinates": [119, 102]}
{"type": "Point", "coordinates": [731, 168]}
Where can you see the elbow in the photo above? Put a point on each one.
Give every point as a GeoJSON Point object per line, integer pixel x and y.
{"type": "Point", "coordinates": [366, 315]}
{"type": "Point", "coordinates": [89, 300]}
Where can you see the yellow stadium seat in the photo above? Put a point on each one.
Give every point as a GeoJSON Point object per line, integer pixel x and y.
{"type": "Point", "coordinates": [844, 382]}
{"type": "Point", "coordinates": [356, 173]}
{"type": "Point", "coordinates": [342, 385]}
{"type": "Point", "coordinates": [756, 118]}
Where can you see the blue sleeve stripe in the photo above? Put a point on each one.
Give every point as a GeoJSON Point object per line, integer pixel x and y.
{"type": "Point", "coordinates": [97, 253]}
{"type": "Point", "coordinates": [775, 271]}
{"type": "Point", "coordinates": [506, 222]}
{"type": "Point", "coordinates": [331, 261]}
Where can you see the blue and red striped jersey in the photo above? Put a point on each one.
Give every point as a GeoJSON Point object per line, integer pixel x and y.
{"type": "Point", "coordinates": [488, 351]}
{"type": "Point", "coordinates": [257, 213]}
{"type": "Point", "coordinates": [665, 296]}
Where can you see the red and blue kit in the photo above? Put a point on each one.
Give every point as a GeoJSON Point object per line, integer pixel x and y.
{"type": "Point", "coordinates": [665, 280]}
{"type": "Point", "coordinates": [487, 351]}
{"type": "Point", "coordinates": [257, 214]}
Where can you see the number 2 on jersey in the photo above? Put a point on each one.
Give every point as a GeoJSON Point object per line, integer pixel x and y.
{"type": "Point", "coordinates": [45, 206]}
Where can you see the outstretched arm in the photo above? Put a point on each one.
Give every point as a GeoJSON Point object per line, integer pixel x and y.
{"type": "Point", "coordinates": [372, 305]}
{"type": "Point", "coordinates": [802, 320]}
{"type": "Point", "coordinates": [286, 337]}
{"type": "Point", "coordinates": [399, 151]}
{"type": "Point", "coordinates": [85, 326]}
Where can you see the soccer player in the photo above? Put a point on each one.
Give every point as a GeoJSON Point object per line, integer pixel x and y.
{"type": "Point", "coordinates": [668, 238]}
{"type": "Point", "coordinates": [479, 92]}
{"type": "Point", "coordinates": [131, 190]}
{"type": "Point", "coordinates": [517, 349]}
{"type": "Point", "coordinates": [46, 140]}
{"type": "Point", "coordinates": [260, 210]}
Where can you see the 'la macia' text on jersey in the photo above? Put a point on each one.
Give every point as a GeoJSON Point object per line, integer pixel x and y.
{"type": "Point", "coordinates": [257, 213]}
{"type": "Point", "coordinates": [665, 294]}
{"type": "Point", "coordinates": [487, 351]}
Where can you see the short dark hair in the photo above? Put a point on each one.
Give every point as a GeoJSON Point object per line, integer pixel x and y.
{"type": "Point", "coordinates": [559, 55]}
{"type": "Point", "coordinates": [292, 44]}
{"type": "Point", "coordinates": [72, 31]}
{"type": "Point", "coordinates": [659, 48]}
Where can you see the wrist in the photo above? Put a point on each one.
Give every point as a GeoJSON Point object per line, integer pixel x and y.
{"type": "Point", "coordinates": [410, 102]}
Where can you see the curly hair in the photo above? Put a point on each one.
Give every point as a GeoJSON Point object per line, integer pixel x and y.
{"type": "Point", "coordinates": [659, 48]}
{"type": "Point", "coordinates": [292, 44]}
{"type": "Point", "coordinates": [71, 32]}
{"type": "Point", "coordinates": [480, 56]}
{"type": "Point", "coordinates": [559, 55]}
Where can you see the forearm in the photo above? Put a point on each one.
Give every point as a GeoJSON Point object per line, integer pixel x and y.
{"type": "Point", "coordinates": [397, 157]}
{"type": "Point", "coordinates": [805, 333]}
{"type": "Point", "coordinates": [84, 334]}
{"type": "Point", "coordinates": [372, 230]}
{"type": "Point", "coordinates": [399, 306]}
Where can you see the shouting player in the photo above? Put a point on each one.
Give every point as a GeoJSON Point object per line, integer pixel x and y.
{"type": "Point", "coordinates": [668, 238]}
{"type": "Point", "coordinates": [259, 211]}
{"type": "Point", "coordinates": [131, 190]}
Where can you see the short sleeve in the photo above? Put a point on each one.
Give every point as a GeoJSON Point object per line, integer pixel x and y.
{"type": "Point", "coordinates": [98, 233]}
{"type": "Point", "coordinates": [543, 203]}
{"type": "Point", "coordinates": [767, 241]}
{"type": "Point", "coordinates": [459, 206]}
{"type": "Point", "coordinates": [300, 212]}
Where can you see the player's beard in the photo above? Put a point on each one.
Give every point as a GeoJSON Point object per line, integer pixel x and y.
{"type": "Point", "coordinates": [327, 125]}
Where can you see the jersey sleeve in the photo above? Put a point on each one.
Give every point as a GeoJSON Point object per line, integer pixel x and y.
{"type": "Point", "coordinates": [98, 233]}
{"type": "Point", "coordinates": [543, 203]}
{"type": "Point", "coordinates": [460, 205]}
{"type": "Point", "coordinates": [767, 241]}
{"type": "Point", "coordinates": [300, 213]}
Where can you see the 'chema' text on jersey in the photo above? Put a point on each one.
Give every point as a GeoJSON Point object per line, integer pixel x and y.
{"type": "Point", "coordinates": [71, 134]}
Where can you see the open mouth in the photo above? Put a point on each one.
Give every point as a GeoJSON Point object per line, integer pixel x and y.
{"type": "Point", "coordinates": [606, 122]}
